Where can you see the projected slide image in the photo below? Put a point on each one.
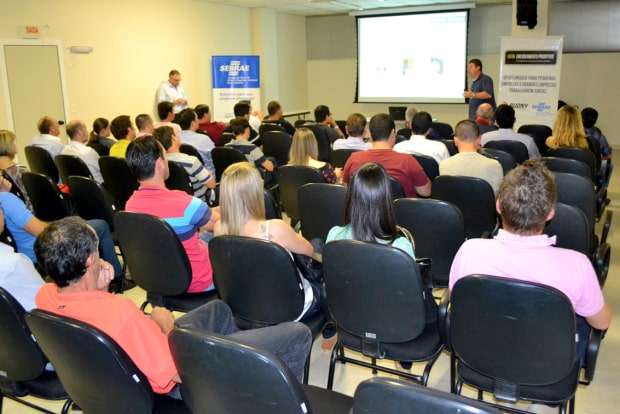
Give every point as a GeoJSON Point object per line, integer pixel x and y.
{"type": "Point", "coordinates": [412, 57]}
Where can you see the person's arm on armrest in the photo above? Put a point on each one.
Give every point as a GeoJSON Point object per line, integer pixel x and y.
{"type": "Point", "coordinates": [284, 235]}
{"type": "Point", "coordinates": [425, 190]}
{"type": "Point", "coordinates": [602, 319]}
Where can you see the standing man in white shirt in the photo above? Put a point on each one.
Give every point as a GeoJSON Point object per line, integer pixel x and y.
{"type": "Point", "coordinates": [49, 130]}
{"type": "Point", "coordinates": [505, 120]}
{"type": "Point", "coordinates": [77, 131]}
{"type": "Point", "coordinates": [421, 125]}
{"type": "Point", "coordinates": [172, 91]}
{"type": "Point", "coordinates": [356, 131]}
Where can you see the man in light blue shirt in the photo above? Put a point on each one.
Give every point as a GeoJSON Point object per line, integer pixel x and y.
{"type": "Point", "coordinates": [189, 125]}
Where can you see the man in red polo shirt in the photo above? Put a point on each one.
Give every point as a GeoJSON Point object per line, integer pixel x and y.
{"type": "Point", "coordinates": [402, 167]}
{"type": "Point", "coordinates": [206, 126]}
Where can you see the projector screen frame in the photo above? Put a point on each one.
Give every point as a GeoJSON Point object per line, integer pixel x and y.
{"type": "Point", "coordinates": [402, 12]}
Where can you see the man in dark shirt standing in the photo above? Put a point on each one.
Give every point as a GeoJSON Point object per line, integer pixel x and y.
{"type": "Point", "coordinates": [481, 88]}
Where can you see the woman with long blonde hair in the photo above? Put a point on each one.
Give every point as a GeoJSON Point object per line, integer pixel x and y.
{"type": "Point", "coordinates": [242, 213]}
{"type": "Point", "coordinates": [568, 130]}
{"type": "Point", "coordinates": [305, 151]}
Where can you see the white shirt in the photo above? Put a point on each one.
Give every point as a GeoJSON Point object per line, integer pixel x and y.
{"type": "Point", "coordinates": [19, 277]}
{"type": "Point", "coordinates": [354, 143]}
{"type": "Point", "coordinates": [202, 143]}
{"type": "Point", "coordinates": [50, 143]}
{"type": "Point", "coordinates": [507, 134]}
{"type": "Point", "coordinates": [86, 154]}
{"type": "Point", "coordinates": [169, 93]}
{"type": "Point", "coordinates": [255, 122]}
{"type": "Point", "coordinates": [419, 144]}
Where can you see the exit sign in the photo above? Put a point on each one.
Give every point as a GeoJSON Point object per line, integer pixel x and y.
{"type": "Point", "coordinates": [31, 32]}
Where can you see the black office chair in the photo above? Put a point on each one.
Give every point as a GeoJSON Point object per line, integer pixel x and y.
{"type": "Point", "coordinates": [190, 150]}
{"type": "Point", "coordinates": [277, 144]}
{"type": "Point", "coordinates": [100, 149]}
{"type": "Point", "coordinates": [90, 200]}
{"type": "Point", "coordinates": [226, 138]}
{"type": "Point", "coordinates": [539, 133]}
{"type": "Point", "coordinates": [504, 355]}
{"type": "Point", "coordinates": [321, 207]}
{"type": "Point", "coordinates": [41, 162]}
{"type": "Point", "coordinates": [362, 278]}
{"type": "Point", "coordinates": [117, 180]}
{"type": "Point", "coordinates": [517, 149]}
{"type": "Point", "coordinates": [221, 376]}
{"type": "Point", "coordinates": [438, 230]}
{"type": "Point", "coordinates": [260, 282]}
{"type": "Point", "coordinates": [392, 396]}
{"type": "Point", "coordinates": [339, 157]}
{"type": "Point", "coordinates": [290, 180]}
{"type": "Point", "coordinates": [69, 165]}
{"type": "Point", "coordinates": [178, 179]}
{"type": "Point", "coordinates": [21, 361]}
{"type": "Point", "coordinates": [585, 156]}
{"type": "Point", "coordinates": [396, 188]}
{"type": "Point", "coordinates": [504, 158]}
{"type": "Point", "coordinates": [322, 140]}
{"type": "Point", "coordinates": [77, 350]}
{"type": "Point", "coordinates": [474, 197]}
{"type": "Point", "coordinates": [301, 122]}
{"type": "Point", "coordinates": [444, 130]}
{"type": "Point", "coordinates": [404, 132]}
{"type": "Point", "coordinates": [272, 208]}
{"type": "Point", "coordinates": [163, 270]}
{"type": "Point", "coordinates": [269, 127]}
{"type": "Point", "coordinates": [568, 165]}
{"type": "Point", "coordinates": [48, 203]}
{"type": "Point", "coordinates": [7, 238]}
{"type": "Point", "coordinates": [15, 190]}
{"type": "Point", "coordinates": [595, 148]}
{"type": "Point", "coordinates": [449, 143]}
{"type": "Point", "coordinates": [223, 157]}
{"type": "Point", "coordinates": [429, 165]}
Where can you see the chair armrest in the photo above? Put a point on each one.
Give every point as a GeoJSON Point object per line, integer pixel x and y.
{"type": "Point", "coordinates": [606, 226]}
{"type": "Point", "coordinates": [594, 344]}
{"type": "Point", "coordinates": [425, 266]}
{"type": "Point", "coordinates": [443, 319]}
{"type": "Point", "coordinates": [601, 262]}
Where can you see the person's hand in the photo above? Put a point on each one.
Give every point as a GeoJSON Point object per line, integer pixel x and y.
{"type": "Point", "coordinates": [211, 183]}
{"type": "Point", "coordinates": [163, 318]}
{"type": "Point", "coordinates": [468, 94]}
{"type": "Point", "coordinates": [106, 274]}
{"type": "Point", "coordinates": [5, 185]}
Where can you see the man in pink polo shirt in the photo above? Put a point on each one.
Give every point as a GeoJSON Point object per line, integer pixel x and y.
{"type": "Point", "coordinates": [526, 201]}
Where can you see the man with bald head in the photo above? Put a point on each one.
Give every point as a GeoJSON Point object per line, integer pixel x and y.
{"type": "Point", "coordinates": [485, 118]}
{"type": "Point", "coordinates": [78, 133]}
{"type": "Point", "coordinates": [49, 130]}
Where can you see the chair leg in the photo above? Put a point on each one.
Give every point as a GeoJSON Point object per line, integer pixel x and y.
{"type": "Point", "coordinates": [571, 405]}
{"type": "Point", "coordinates": [480, 395]}
{"type": "Point", "coordinates": [1, 401]}
{"type": "Point", "coordinates": [374, 362]}
{"type": "Point", "coordinates": [332, 366]}
{"type": "Point", "coordinates": [307, 368]}
{"type": "Point", "coordinates": [562, 409]}
{"type": "Point", "coordinates": [144, 305]}
{"type": "Point", "coordinates": [67, 406]}
{"type": "Point", "coordinates": [341, 355]}
{"type": "Point", "coordinates": [452, 374]}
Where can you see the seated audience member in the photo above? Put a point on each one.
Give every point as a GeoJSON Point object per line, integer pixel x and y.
{"type": "Point", "coordinates": [49, 130]}
{"type": "Point", "coordinates": [240, 127]}
{"type": "Point", "coordinates": [406, 131]}
{"type": "Point", "coordinates": [123, 131]}
{"type": "Point", "coordinates": [204, 145]}
{"type": "Point", "coordinates": [419, 143]}
{"type": "Point", "coordinates": [8, 166]}
{"type": "Point", "coordinates": [305, 150]}
{"type": "Point", "coordinates": [78, 134]}
{"type": "Point", "coordinates": [468, 162]}
{"type": "Point", "coordinates": [242, 110]}
{"type": "Point", "coordinates": [521, 251]}
{"type": "Point", "coordinates": [166, 114]}
{"type": "Point", "coordinates": [589, 117]}
{"type": "Point", "coordinates": [255, 117]}
{"type": "Point", "coordinates": [200, 178]}
{"type": "Point", "coordinates": [25, 227]}
{"type": "Point", "coordinates": [568, 131]}
{"type": "Point", "coordinates": [276, 116]}
{"type": "Point", "coordinates": [101, 134]}
{"type": "Point", "coordinates": [505, 120]}
{"type": "Point", "coordinates": [242, 208]}
{"type": "Point", "coordinates": [485, 118]}
{"type": "Point", "coordinates": [144, 123]}
{"type": "Point", "coordinates": [206, 126]}
{"type": "Point", "coordinates": [357, 132]}
{"type": "Point", "coordinates": [369, 211]}
{"type": "Point", "coordinates": [323, 116]}
{"type": "Point", "coordinates": [80, 291]}
{"type": "Point", "coordinates": [403, 168]}
{"type": "Point", "coordinates": [187, 215]}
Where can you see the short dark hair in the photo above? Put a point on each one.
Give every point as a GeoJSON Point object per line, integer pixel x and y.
{"type": "Point", "coordinates": [63, 248]}
{"type": "Point", "coordinates": [45, 125]}
{"type": "Point", "coordinates": [476, 62]}
{"type": "Point", "coordinates": [164, 134]}
{"type": "Point", "coordinates": [186, 117]}
{"type": "Point", "coordinates": [241, 109]}
{"type": "Point", "coordinates": [201, 110]}
{"type": "Point", "coordinates": [142, 120]}
{"type": "Point", "coordinates": [163, 109]}
{"type": "Point", "coordinates": [561, 104]}
{"type": "Point", "coordinates": [589, 116]}
{"type": "Point", "coordinates": [421, 123]}
{"type": "Point", "coordinates": [273, 107]}
{"type": "Point", "coordinates": [381, 126]}
{"type": "Point", "coordinates": [173, 72]}
{"type": "Point", "coordinates": [526, 196]}
{"type": "Point", "coordinates": [369, 206]}
{"type": "Point", "coordinates": [467, 130]}
{"type": "Point", "coordinates": [356, 124]}
{"type": "Point", "coordinates": [142, 154]}
{"type": "Point", "coordinates": [120, 126]}
{"type": "Point", "coordinates": [321, 113]}
{"type": "Point", "coordinates": [239, 125]}
{"type": "Point", "coordinates": [505, 116]}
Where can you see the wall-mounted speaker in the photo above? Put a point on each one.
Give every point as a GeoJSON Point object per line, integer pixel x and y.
{"type": "Point", "coordinates": [527, 14]}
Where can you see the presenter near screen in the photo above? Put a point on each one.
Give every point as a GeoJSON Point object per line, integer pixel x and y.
{"type": "Point", "coordinates": [172, 91]}
{"type": "Point", "coordinates": [481, 90]}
